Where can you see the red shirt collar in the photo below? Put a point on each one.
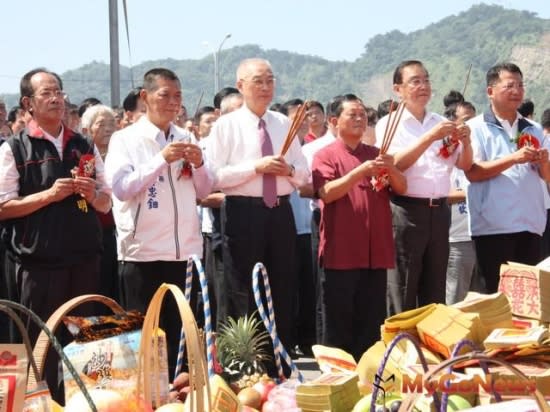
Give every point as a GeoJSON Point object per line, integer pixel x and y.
{"type": "Point", "coordinates": [36, 132]}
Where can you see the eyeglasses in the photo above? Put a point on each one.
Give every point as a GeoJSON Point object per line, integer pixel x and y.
{"type": "Point", "coordinates": [48, 94]}
{"type": "Point", "coordinates": [417, 82]}
{"type": "Point", "coordinates": [512, 85]}
{"type": "Point", "coordinates": [258, 83]}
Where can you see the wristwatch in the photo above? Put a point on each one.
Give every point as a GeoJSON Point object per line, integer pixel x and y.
{"type": "Point", "coordinates": [292, 171]}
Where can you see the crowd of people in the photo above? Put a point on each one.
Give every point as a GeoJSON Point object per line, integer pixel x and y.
{"type": "Point", "coordinates": [369, 213]}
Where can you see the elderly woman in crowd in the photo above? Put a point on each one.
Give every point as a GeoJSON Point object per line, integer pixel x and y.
{"type": "Point", "coordinates": [99, 123]}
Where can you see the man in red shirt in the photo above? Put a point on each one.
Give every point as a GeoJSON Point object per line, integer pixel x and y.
{"type": "Point", "coordinates": [356, 244]}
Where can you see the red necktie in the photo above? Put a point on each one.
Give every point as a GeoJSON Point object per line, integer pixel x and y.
{"type": "Point", "coordinates": [269, 190]}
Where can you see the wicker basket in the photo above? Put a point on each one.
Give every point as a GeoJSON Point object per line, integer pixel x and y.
{"type": "Point", "coordinates": [9, 307]}
{"type": "Point", "coordinates": [199, 399]}
{"type": "Point", "coordinates": [43, 342]}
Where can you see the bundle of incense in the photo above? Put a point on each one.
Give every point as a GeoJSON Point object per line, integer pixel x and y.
{"type": "Point", "coordinates": [391, 126]}
{"type": "Point", "coordinates": [296, 123]}
{"type": "Point", "coordinates": [383, 179]}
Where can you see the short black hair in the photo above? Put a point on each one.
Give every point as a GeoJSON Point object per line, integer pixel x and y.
{"type": "Point", "coordinates": [315, 103]}
{"type": "Point", "coordinates": [25, 86]}
{"type": "Point", "coordinates": [330, 103]}
{"type": "Point", "coordinates": [453, 97]}
{"type": "Point", "coordinates": [150, 78]}
{"type": "Point", "coordinates": [226, 91]}
{"type": "Point", "coordinates": [290, 103]}
{"type": "Point", "coordinates": [202, 111]}
{"type": "Point", "coordinates": [545, 119]}
{"type": "Point", "coordinates": [398, 72]}
{"type": "Point", "coordinates": [450, 111]}
{"type": "Point", "coordinates": [372, 116]}
{"type": "Point", "coordinates": [276, 107]}
{"type": "Point", "coordinates": [130, 101]}
{"type": "Point", "coordinates": [493, 74]}
{"type": "Point", "coordinates": [526, 108]}
{"type": "Point", "coordinates": [337, 105]}
{"type": "Point", "coordinates": [87, 102]}
{"type": "Point", "coordinates": [12, 114]}
{"type": "Point", "coordinates": [384, 108]}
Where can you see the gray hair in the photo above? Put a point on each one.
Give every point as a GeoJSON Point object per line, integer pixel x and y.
{"type": "Point", "coordinates": [228, 102]}
{"type": "Point", "coordinates": [244, 66]}
{"type": "Point", "coordinates": [92, 113]}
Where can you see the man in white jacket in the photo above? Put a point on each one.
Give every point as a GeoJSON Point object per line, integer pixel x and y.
{"type": "Point", "coordinates": [156, 174]}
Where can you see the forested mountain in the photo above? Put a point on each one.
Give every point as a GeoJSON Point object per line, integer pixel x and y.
{"type": "Point", "coordinates": [480, 36]}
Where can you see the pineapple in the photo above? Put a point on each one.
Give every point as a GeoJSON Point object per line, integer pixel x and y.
{"type": "Point", "coordinates": [241, 350]}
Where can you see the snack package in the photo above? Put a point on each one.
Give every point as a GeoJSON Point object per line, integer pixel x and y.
{"type": "Point", "coordinates": [13, 377]}
{"type": "Point", "coordinates": [333, 359]}
{"type": "Point", "coordinates": [38, 399]}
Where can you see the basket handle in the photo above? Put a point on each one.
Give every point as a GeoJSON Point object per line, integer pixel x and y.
{"type": "Point", "coordinates": [198, 371]}
{"type": "Point", "coordinates": [24, 335]}
{"type": "Point", "coordinates": [43, 342]}
{"type": "Point", "coordinates": [378, 377]}
{"type": "Point", "coordinates": [207, 316]}
{"type": "Point", "coordinates": [269, 321]}
{"type": "Point", "coordinates": [410, 400]}
{"type": "Point", "coordinates": [57, 348]}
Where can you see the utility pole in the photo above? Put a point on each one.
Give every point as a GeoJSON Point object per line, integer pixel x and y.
{"type": "Point", "coordinates": [114, 53]}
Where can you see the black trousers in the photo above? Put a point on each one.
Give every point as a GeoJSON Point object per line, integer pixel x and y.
{"type": "Point", "coordinates": [109, 265]}
{"type": "Point", "coordinates": [305, 293]}
{"type": "Point", "coordinates": [43, 290]}
{"type": "Point", "coordinates": [213, 268]}
{"type": "Point", "coordinates": [421, 235]}
{"type": "Point", "coordinates": [318, 275]}
{"type": "Point", "coordinates": [138, 283]}
{"type": "Point", "coordinates": [493, 250]}
{"type": "Point", "coordinates": [355, 306]}
{"type": "Point", "coordinates": [254, 233]}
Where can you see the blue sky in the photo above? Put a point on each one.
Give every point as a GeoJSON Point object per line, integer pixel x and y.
{"type": "Point", "coordinates": [65, 34]}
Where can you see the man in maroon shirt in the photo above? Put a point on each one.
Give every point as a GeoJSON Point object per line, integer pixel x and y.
{"type": "Point", "coordinates": [356, 245]}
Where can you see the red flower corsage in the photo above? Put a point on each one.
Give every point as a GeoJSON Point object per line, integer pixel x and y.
{"type": "Point", "coordinates": [527, 140]}
{"type": "Point", "coordinates": [86, 166]}
{"type": "Point", "coordinates": [380, 181]}
{"type": "Point", "coordinates": [186, 170]}
{"type": "Point", "coordinates": [450, 143]}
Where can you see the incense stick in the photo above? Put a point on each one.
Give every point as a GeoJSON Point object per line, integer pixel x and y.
{"type": "Point", "coordinates": [296, 123]}
{"type": "Point", "coordinates": [391, 126]}
{"type": "Point", "coordinates": [467, 80]}
{"type": "Point", "coordinates": [384, 138]}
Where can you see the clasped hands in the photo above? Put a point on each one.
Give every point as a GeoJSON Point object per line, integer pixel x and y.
{"type": "Point", "coordinates": [275, 165]}
{"type": "Point", "coordinates": [83, 186]}
{"type": "Point", "coordinates": [383, 163]}
{"type": "Point", "coordinates": [458, 130]}
{"type": "Point", "coordinates": [183, 151]}
{"type": "Point", "coordinates": [529, 154]}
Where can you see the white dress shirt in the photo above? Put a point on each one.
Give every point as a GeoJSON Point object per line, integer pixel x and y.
{"type": "Point", "coordinates": [309, 150]}
{"type": "Point", "coordinates": [235, 148]}
{"type": "Point", "coordinates": [429, 176]}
